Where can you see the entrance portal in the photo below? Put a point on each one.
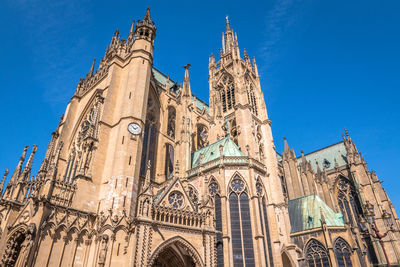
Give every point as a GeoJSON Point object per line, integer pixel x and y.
{"type": "Point", "coordinates": [174, 255]}
{"type": "Point", "coordinates": [175, 252]}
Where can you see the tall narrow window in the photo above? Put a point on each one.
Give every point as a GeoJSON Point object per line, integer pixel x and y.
{"type": "Point", "coordinates": [342, 253]}
{"type": "Point", "coordinates": [202, 136]}
{"type": "Point", "coordinates": [149, 146]}
{"type": "Point", "coordinates": [242, 236]}
{"type": "Point", "coordinates": [316, 255]}
{"type": "Point", "coordinates": [218, 227]}
{"type": "Point", "coordinates": [236, 232]}
{"type": "Point", "coordinates": [171, 122]}
{"type": "Point", "coordinates": [169, 161]}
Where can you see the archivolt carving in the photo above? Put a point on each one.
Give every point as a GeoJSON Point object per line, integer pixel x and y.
{"type": "Point", "coordinates": [178, 240]}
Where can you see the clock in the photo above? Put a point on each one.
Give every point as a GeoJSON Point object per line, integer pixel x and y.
{"type": "Point", "coordinates": [134, 128]}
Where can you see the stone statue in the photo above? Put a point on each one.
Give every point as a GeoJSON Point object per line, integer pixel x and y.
{"type": "Point", "coordinates": [26, 247]}
{"type": "Point", "coordinates": [103, 251]}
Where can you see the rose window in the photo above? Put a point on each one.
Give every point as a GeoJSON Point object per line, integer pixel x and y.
{"type": "Point", "coordinates": [175, 199]}
{"type": "Point", "coordinates": [213, 188]}
{"type": "Point", "coordinates": [237, 185]}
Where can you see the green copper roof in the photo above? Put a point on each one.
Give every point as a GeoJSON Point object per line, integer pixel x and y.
{"type": "Point", "coordinates": [162, 79]}
{"type": "Point", "coordinates": [327, 157]}
{"type": "Point", "coordinates": [305, 214]}
{"type": "Point", "coordinates": [211, 152]}
{"type": "Point", "coordinates": [199, 103]}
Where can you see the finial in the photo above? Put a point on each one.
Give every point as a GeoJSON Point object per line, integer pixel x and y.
{"type": "Point", "coordinates": [346, 132]}
{"type": "Point", "coordinates": [284, 138]}
{"type": "Point", "coordinates": [228, 25]}
{"type": "Point", "coordinates": [92, 67]}
{"type": "Point", "coordinates": [132, 27]}
{"type": "Point", "coordinates": [302, 152]}
{"type": "Point", "coordinates": [187, 66]}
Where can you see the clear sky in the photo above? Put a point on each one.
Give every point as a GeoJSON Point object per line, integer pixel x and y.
{"type": "Point", "coordinates": [324, 66]}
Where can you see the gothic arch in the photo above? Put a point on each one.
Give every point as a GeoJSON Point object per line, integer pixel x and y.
{"type": "Point", "coordinates": [86, 109]}
{"type": "Point", "coordinates": [238, 176]}
{"type": "Point", "coordinates": [287, 261]}
{"type": "Point", "coordinates": [316, 254]}
{"type": "Point", "coordinates": [181, 241]}
{"type": "Point", "coordinates": [343, 252]}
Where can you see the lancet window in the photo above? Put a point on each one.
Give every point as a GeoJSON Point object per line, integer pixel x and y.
{"type": "Point", "coordinates": [316, 255]}
{"type": "Point", "coordinates": [213, 190]}
{"type": "Point", "coordinates": [171, 122]}
{"type": "Point", "coordinates": [251, 97]}
{"type": "Point", "coordinates": [242, 236]}
{"type": "Point", "coordinates": [348, 201]}
{"type": "Point", "coordinates": [169, 161]}
{"type": "Point", "coordinates": [262, 206]}
{"type": "Point", "coordinates": [227, 93]}
{"type": "Point", "coordinates": [80, 155]}
{"type": "Point", "coordinates": [342, 253]}
{"type": "Point", "coordinates": [149, 145]}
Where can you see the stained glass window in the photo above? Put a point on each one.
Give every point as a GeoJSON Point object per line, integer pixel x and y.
{"type": "Point", "coordinates": [218, 227]}
{"type": "Point", "coordinates": [242, 236]}
{"type": "Point", "coordinates": [175, 199]}
{"type": "Point", "coordinates": [213, 188]}
{"type": "Point", "coordinates": [169, 161]}
{"type": "Point", "coordinates": [316, 255]}
{"type": "Point", "coordinates": [342, 253]}
{"type": "Point", "coordinates": [237, 185]}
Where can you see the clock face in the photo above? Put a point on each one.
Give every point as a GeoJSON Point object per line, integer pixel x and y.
{"type": "Point", "coordinates": [134, 128]}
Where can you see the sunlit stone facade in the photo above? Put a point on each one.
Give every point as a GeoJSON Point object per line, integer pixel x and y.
{"type": "Point", "coordinates": [140, 172]}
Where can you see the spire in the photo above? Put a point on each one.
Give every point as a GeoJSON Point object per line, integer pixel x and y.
{"type": "Point", "coordinates": [18, 169]}
{"type": "Point", "coordinates": [28, 167]}
{"type": "Point", "coordinates": [2, 181]}
{"type": "Point", "coordinates": [286, 149]}
{"type": "Point", "coordinates": [228, 25]}
{"type": "Point", "coordinates": [132, 27]}
{"type": "Point", "coordinates": [147, 17]}
{"type": "Point", "coordinates": [131, 32]}
{"type": "Point", "coordinates": [92, 68]}
{"type": "Point", "coordinates": [186, 82]}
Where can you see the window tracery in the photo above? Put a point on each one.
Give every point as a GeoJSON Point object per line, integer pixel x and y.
{"type": "Point", "coordinates": [193, 195]}
{"type": "Point", "coordinates": [169, 161]}
{"type": "Point", "coordinates": [342, 253]}
{"type": "Point", "coordinates": [149, 140]}
{"type": "Point", "coordinates": [175, 199]}
{"type": "Point", "coordinates": [213, 188]}
{"type": "Point", "coordinates": [348, 201]}
{"type": "Point", "coordinates": [227, 93]}
{"type": "Point", "coordinates": [251, 96]}
{"type": "Point", "coordinates": [316, 255]}
{"type": "Point", "coordinates": [83, 146]}
{"type": "Point", "coordinates": [242, 237]}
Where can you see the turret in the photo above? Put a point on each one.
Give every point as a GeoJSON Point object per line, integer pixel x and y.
{"type": "Point", "coordinates": [145, 33]}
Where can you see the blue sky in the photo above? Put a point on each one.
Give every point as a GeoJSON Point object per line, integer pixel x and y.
{"type": "Point", "coordinates": [324, 65]}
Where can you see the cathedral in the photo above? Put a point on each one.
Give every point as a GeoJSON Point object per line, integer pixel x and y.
{"type": "Point", "coordinates": [141, 172]}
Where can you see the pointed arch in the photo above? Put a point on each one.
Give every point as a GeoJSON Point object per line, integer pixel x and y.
{"type": "Point", "coordinates": [316, 254]}
{"type": "Point", "coordinates": [237, 176]}
{"type": "Point", "coordinates": [286, 259]}
{"type": "Point", "coordinates": [180, 241]}
{"type": "Point", "coordinates": [342, 252]}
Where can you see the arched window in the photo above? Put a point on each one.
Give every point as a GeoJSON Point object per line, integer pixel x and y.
{"type": "Point", "coordinates": [171, 122]}
{"type": "Point", "coordinates": [342, 253]}
{"type": "Point", "coordinates": [233, 130]}
{"type": "Point", "coordinates": [262, 205]}
{"type": "Point", "coordinates": [213, 190]}
{"type": "Point", "coordinates": [251, 96]}
{"type": "Point", "coordinates": [316, 255]}
{"type": "Point", "coordinates": [348, 201]}
{"type": "Point", "coordinates": [149, 146]}
{"type": "Point", "coordinates": [227, 93]}
{"type": "Point", "coordinates": [242, 236]}
{"type": "Point", "coordinates": [169, 161]}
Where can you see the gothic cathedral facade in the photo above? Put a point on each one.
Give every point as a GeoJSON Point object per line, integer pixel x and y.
{"type": "Point", "coordinates": [140, 172]}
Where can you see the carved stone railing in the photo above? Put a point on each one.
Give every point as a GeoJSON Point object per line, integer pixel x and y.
{"type": "Point", "coordinates": [228, 161]}
{"type": "Point", "coordinates": [63, 193]}
{"type": "Point", "coordinates": [177, 216]}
